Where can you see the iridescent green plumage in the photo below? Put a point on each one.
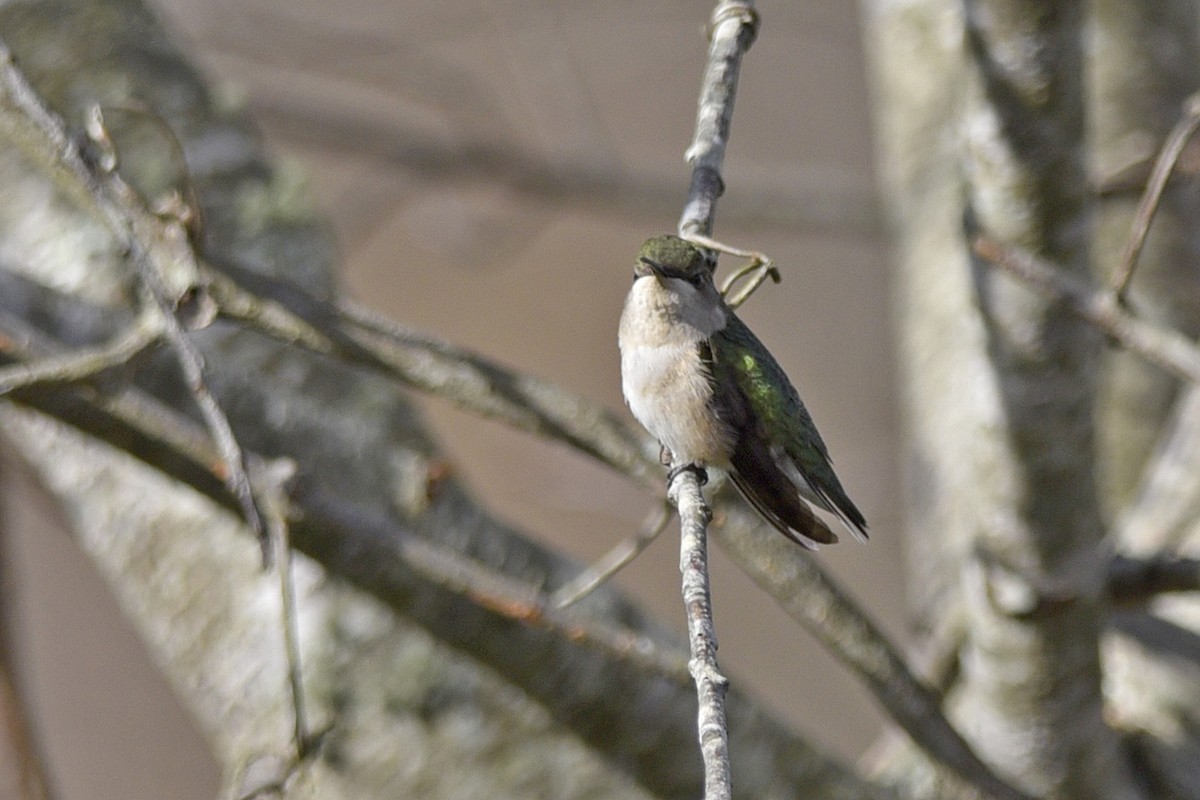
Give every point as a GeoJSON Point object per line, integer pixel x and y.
{"type": "Point", "coordinates": [780, 418]}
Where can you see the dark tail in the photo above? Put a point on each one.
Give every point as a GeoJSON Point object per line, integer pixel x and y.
{"type": "Point", "coordinates": [767, 488]}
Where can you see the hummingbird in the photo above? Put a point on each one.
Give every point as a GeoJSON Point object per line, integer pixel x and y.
{"type": "Point", "coordinates": [712, 394]}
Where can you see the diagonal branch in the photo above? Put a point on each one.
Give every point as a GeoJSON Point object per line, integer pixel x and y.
{"type": "Point", "coordinates": [160, 253]}
{"type": "Point", "coordinates": [814, 600]}
{"type": "Point", "coordinates": [1168, 156]}
{"type": "Point", "coordinates": [1166, 348]}
{"type": "Point", "coordinates": [83, 363]}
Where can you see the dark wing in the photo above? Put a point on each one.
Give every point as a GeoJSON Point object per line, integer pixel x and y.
{"type": "Point", "coordinates": [755, 471]}
{"type": "Point", "coordinates": [798, 452]}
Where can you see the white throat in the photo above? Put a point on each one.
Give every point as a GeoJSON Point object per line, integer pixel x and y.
{"type": "Point", "coordinates": [670, 311]}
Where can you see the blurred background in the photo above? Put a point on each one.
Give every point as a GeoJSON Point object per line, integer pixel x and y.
{"type": "Point", "coordinates": [490, 169]}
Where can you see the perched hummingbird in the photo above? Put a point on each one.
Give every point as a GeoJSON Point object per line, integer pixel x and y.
{"type": "Point", "coordinates": [697, 378]}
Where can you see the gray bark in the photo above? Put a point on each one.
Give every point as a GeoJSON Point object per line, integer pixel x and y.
{"type": "Point", "coordinates": [981, 127]}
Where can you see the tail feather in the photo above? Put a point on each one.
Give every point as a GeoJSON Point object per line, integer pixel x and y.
{"type": "Point", "coordinates": [829, 496]}
{"type": "Point", "coordinates": [766, 487]}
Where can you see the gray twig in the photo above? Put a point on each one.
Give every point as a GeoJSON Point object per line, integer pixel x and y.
{"type": "Point", "coordinates": [272, 480]}
{"type": "Point", "coordinates": [613, 561]}
{"type": "Point", "coordinates": [711, 684]}
{"type": "Point", "coordinates": [1163, 166]}
{"type": "Point", "coordinates": [82, 364]}
{"type": "Point", "coordinates": [493, 391]}
{"type": "Point", "coordinates": [732, 29]}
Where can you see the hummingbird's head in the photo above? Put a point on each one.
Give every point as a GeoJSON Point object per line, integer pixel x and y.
{"type": "Point", "coordinates": [681, 285]}
{"type": "Point", "coordinates": [669, 256]}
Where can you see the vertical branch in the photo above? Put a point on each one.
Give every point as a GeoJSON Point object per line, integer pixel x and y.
{"type": "Point", "coordinates": [711, 684]}
{"type": "Point", "coordinates": [733, 27]}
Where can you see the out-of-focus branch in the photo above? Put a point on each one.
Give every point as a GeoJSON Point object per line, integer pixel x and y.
{"type": "Point", "coordinates": [464, 378]}
{"type": "Point", "coordinates": [1161, 346]}
{"type": "Point", "coordinates": [157, 248]}
{"type": "Point", "coordinates": [614, 560]}
{"type": "Point", "coordinates": [1168, 156]}
{"type": "Point", "coordinates": [1138, 580]}
{"type": "Point", "coordinates": [83, 363]}
{"type": "Point", "coordinates": [1034, 525]}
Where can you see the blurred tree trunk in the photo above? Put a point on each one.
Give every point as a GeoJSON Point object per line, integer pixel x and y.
{"type": "Point", "coordinates": [981, 112]}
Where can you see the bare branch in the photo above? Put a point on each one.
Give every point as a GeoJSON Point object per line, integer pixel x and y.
{"type": "Point", "coordinates": [732, 29]}
{"type": "Point", "coordinates": [1163, 166]}
{"type": "Point", "coordinates": [1133, 581]}
{"type": "Point", "coordinates": [161, 254]}
{"type": "Point", "coordinates": [466, 379]}
{"type": "Point", "coordinates": [272, 479]}
{"type": "Point", "coordinates": [1166, 348]}
{"type": "Point", "coordinates": [733, 26]}
{"type": "Point", "coordinates": [614, 560]}
{"type": "Point", "coordinates": [82, 364]}
{"type": "Point", "coordinates": [711, 684]}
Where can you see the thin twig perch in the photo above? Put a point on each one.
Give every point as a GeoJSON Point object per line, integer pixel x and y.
{"type": "Point", "coordinates": [711, 685]}
{"type": "Point", "coordinates": [733, 28]}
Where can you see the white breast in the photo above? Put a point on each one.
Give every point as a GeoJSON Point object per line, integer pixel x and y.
{"type": "Point", "coordinates": [664, 383]}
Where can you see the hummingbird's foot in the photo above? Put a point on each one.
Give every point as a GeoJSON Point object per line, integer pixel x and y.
{"type": "Point", "coordinates": [674, 472]}
{"type": "Point", "coordinates": [664, 456]}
